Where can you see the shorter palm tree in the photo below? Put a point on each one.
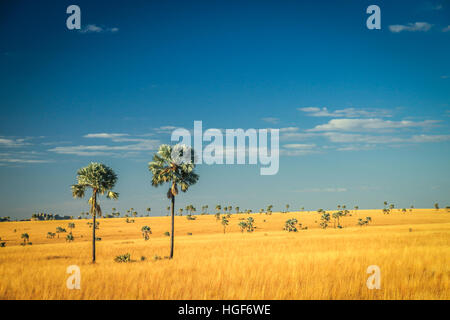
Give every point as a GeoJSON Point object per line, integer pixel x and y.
{"type": "Point", "coordinates": [101, 179]}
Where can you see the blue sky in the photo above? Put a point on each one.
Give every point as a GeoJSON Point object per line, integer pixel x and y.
{"type": "Point", "coordinates": [363, 114]}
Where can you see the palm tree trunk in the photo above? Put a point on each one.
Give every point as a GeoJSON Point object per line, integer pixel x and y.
{"type": "Point", "coordinates": [173, 226]}
{"type": "Point", "coordinates": [94, 213]}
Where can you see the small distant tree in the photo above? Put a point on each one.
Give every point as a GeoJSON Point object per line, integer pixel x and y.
{"type": "Point", "coordinates": [287, 208]}
{"type": "Point", "coordinates": [146, 232]}
{"type": "Point", "coordinates": [217, 215]}
{"type": "Point", "coordinates": [224, 223]}
{"type": "Point", "coordinates": [291, 225]}
{"type": "Point", "coordinates": [242, 225]}
{"type": "Point", "coordinates": [325, 219]}
{"type": "Point", "coordinates": [237, 209]}
{"type": "Point", "coordinates": [69, 237]}
{"type": "Point", "coordinates": [386, 209]}
{"type": "Point", "coordinates": [436, 206]}
{"type": "Point", "coordinates": [60, 230]}
{"type": "Point", "coordinates": [71, 226]}
{"type": "Point", "coordinates": [362, 222]}
{"type": "Point", "coordinates": [336, 215]}
{"type": "Point", "coordinates": [25, 237]}
{"type": "Point", "coordinates": [50, 235]}
{"type": "Point", "coordinates": [250, 225]}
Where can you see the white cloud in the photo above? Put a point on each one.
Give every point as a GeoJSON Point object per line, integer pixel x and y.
{"type": "Point", "coordinates": [24, 160]}
{"type": "Point", "coordinates": [105, 135]}
{"type": "Point", "coordinates": [412, 27]}
{"type": "Point", "coordinates": [446, 29]}
{"type": "Point", "coordinates": [298, 149]}
{"type": "Point", "coordinates": [117, 150]}
{"type": "Point", "coordinates": [6, 142]}
{"type": "Point", "coordinates": [289, 129]}
{"type": "Point", "coordinates": [323, 190]}
{"type": "Point", "coordinates": [345, 113]}
{"type": "Point", "coordinates": [93, 28]}
{"type": "Point", "coordinates": [271, 120]}
{"type": "Point", "coordinates": [338, 137]}
{"type": "Point", "coordinates": [301, 146]}
{"type": "Point", "coordinates": [430, 138]}
{"type": "Point", "coordinates": [371, 125]}
{"type": "Point", "coordinates": [356, 147]}
{"type": "Point", "coordinates": [165, 129]}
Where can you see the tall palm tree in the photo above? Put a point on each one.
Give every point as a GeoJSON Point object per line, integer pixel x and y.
{"type": "Point", "coordinates": [167, 167]}
{"type": "Point", "coordinates": [101, 179]}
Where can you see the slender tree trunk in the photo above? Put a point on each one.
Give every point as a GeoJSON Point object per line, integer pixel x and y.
{"type": "Point", "coordinates": [94, 213]}
{"type": "Point", "coordinates": [173, 227]}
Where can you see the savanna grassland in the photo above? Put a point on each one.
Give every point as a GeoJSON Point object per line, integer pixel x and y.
{"type": "Point", "coordinates": [412, 250]}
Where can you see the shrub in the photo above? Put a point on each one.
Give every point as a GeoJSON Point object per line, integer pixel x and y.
{"type": "Point", "coordinates": [2, 244]}
{"type": "Point", "coordinates": [290, 225]}
{"type": "Point", "coordinates": [325, 219]}
{"type": "Point", "coordinates": [167, 234]}
{"type": "Point", "coordinates": [143, 258]}
{"type": "Point", "coordinates": [123, 258]}
{"type": "Point", "coordinates": [242, 225]}
{"type": "Point", "coordinates": [189, 233]}
{"type": "Point", "coordinates": [362, 222]}
{"type": "Point", "coordinates": [70, 237]}
{"type": "Point", "coordinates": [156, 258]}
{"type": "Point", "coordinates": [146, 232]}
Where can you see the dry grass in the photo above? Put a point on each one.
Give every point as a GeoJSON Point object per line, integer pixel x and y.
{"type": "Point", "coordinates": [412, 250]}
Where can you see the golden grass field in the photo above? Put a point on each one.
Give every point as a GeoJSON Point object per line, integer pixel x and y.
{"type": "Point", "coordinates": [412, 250]}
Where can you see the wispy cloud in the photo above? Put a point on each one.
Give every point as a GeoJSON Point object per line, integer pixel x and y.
{"type": "Point", "coordinates": [10, 142]}
{"type": "Point", "coordinates": [345, 113]}
{"type": "Point", "coordinates": [105, 135]}
{"type": "Point", "coordinates": [21, 157]}
{"type": "Point", "coordinates": [411, 27]}
{"type": "Point", "coordinates": [108, 150]}
{"type": "Point", "coordinates": [371, 125]}
{"type": "Point", "coordinates": [12, 160]}
{"type": "Point", "coordinates": [446, 29]}
{"type": "Point", "coordinates": [323, 190]}
{"type": "Point", "coordinates": [338, 137]}
{"type": "Point", "coordinates": [271, 120]}
{"type": "Point", "coordinates": [93, 28]}
{"type": "Point", "coordinates": [430, 138]}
